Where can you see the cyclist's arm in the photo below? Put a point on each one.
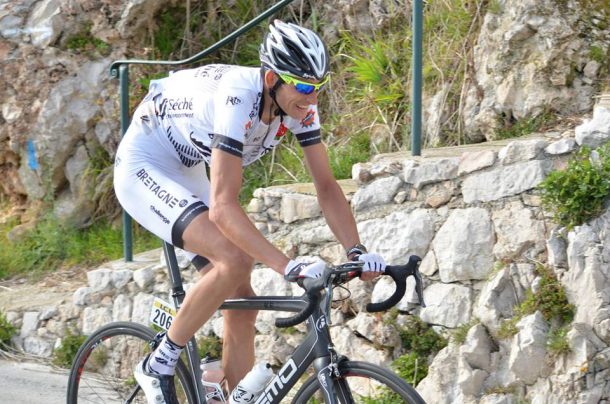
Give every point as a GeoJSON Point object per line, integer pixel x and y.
{"type": "Point", "coordinates": [332, 201]}
{"type": "Point", "coordinates": [230, 218]}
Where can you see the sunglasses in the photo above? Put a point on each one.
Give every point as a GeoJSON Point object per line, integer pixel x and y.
{"type": "Point", "coordinates": [304, 87]}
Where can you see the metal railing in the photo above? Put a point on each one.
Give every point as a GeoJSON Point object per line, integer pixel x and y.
{"type": "Point", "coordinates": [417, 72]}
{"type": "Point", "coordinates": [120, 69]}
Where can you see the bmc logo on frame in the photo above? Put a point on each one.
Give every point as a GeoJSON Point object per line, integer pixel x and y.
{"type": "Point", "coordinates": [277, 384]}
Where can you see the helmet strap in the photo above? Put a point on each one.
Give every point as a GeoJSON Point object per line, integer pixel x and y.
{"type": "Point", "coordinates": [272, 93]}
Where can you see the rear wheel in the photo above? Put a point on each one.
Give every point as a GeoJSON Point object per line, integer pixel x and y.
{"type": "Point", "coordinates": [361, 382]}
{"type": "Point", "coordinates": [102, 371]}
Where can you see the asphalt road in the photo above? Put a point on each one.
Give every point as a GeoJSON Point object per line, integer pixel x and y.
{"type": "Point", "coordinates": [32, 383]}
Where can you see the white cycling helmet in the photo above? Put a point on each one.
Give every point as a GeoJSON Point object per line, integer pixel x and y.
{"type": "Point", "coordinates": [294, 50]}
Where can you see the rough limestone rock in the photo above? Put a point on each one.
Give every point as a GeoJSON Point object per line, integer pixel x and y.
{"type": "Point", "coordinates": [465, 254]}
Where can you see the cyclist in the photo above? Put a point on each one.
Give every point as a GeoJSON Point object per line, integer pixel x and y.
{"type": "Point", "coordinates": [226, 117]}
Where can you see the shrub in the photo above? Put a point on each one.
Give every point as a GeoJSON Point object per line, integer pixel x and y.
{"type": "Point", "coordinates": [7, 330]}
{"type": "Point", "coordinates": [508, 328]}
{"type": "Point", "coordinates": [64, 355]}
{"type": "Point", "coordinates": [460, 333]}
{"type": "Point", "coordinates": [550, 299]}
{"type": "Point", "coordinates": [578, 193]}
{"type": "Point", "coordinates": [419, 337]}
{"type": "Point", "coordinates": [523, 127]}
{"type": "Point", "coordinates": [557, 342]}
{"type": "Point", "coordinates": [211, 346]}
{"type": "Point", "coordinates": [411, 367]}
{"type": "Point", "coordinates": [85, 42]}
{"type": "Point", "coordinates": [420, 341]}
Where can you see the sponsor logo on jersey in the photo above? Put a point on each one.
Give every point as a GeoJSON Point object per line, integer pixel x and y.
{"type": "Point", "coordinates": [309, 119]}
{"type": "Point", "coordinates": [281, 131]}
{"type": "Point", "coordinates": [212, 70]}
{"type": "Point", "coordinates": [158, 213]}
{"type": "Point", "coordinates": [181, 107]}
{"type": "Point", "coordinates": [205, 151]}
{"type": "Point", "coordinates": [163, 195]}
{"type": "Point", "coordinates": [255, 107]}
{"type": "Point", "coordinates": [233, 100]}
{"type": "Point", "coordinates": [219, 70]}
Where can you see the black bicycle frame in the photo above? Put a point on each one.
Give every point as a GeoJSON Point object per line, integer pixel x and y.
{"type": "Point", "coordinates": [316, 348]}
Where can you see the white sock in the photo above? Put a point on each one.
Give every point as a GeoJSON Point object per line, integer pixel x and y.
{"type": "Point", "coordinates": [163, 360]}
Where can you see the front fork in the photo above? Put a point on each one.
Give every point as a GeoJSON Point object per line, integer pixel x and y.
{"type": "Point", "coordinates": [332, 386]}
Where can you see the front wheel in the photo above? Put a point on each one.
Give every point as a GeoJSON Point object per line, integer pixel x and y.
{"type": "Point", "coordinates": [102, 371]}
{"type": "Point", "coordinates": [361, 382]}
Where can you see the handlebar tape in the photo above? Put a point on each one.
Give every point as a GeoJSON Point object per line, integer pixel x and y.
{"type": "Point", "coordinates": [313, 287]}
{"type": "Point", "coordinates": [399, 274]}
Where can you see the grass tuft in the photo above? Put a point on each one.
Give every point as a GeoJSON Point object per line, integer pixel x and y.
{"type": "Point", "coordinates": [51, 245]}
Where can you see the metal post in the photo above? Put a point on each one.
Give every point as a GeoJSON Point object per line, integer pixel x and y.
{"type": "Point", "coordinates": [124, 100]}
{"type": "Point", "coordinates": [416, 110]}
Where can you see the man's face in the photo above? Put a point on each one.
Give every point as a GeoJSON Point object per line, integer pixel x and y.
{"type": "Point", "coordinates": [295, 103]}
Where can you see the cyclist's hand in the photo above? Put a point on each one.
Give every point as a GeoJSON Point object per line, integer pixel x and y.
{"type": "Point", "coordinates": [374, 265]}
{"type": "Point", "coordinates": [296, 270]}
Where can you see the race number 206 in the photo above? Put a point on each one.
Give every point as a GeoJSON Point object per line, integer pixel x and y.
{"type": "Point", "coordinates": [162, 314]}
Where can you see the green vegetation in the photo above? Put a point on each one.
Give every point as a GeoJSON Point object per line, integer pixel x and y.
{"type": "Point", "coordinates": [523, 127]}
{"type": "Point", "coordinates": [210, 345]}
{"type": "Point", "coordinates": [508, 328]}
{"type": "Point", "coordinates": [597, 53]}
{"type": "Point", "coordinates": [421, 342]}
{"type": "Point", "coordinates": [459, 334]}
{"type": "Point", "coordinates": [85, 42]}
{"type": "Point", "coordinates": [285, 164]}
{"type": "Point", "coordinates": [64, 355]}
{"type": "Point", "coordinates": [52, 244]}
{"type": "Point", "coordinates": [7, 330]}
{"type": "Point", "coordinates": [550, 300]}
{"type": "Point", "coordinates": [578, 193]}
{"type": "Point", "coordinates": [557, 343]}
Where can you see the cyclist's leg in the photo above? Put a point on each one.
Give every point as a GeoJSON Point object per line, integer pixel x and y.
{"type": "Point", "coordinates": [228, 277]}
{"type": "Point", "coordinates": [171, 201]}
{"type": "Point", "coordinates": [238, 330]}
{"type": "Point", "coordinates": [238, 338]}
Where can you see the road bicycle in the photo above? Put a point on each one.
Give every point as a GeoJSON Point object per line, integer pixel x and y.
{"type": "Point", "coordinates": [102, 371]}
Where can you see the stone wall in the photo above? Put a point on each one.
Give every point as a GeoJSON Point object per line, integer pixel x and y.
{"type": "Point", "coordinates": [474, 217]}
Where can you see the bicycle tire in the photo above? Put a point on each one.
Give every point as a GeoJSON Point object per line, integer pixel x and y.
{"type": "Point", "coordinates": [370, 384]}
{"type": "Point", "coordinates": [102, 371]}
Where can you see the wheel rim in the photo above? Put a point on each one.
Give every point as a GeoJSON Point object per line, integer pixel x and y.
{"type": "Point", "coordinates": [105, 371]}
{"type": "Point", "coordinates": [361, 383]}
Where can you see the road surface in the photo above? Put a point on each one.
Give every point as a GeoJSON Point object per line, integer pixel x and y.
{"type": "Point", "coordinates": [29, 382]}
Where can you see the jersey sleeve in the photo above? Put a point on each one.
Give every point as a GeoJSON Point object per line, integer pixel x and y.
{"type": "Point", "coordinates": [232, 117]}
{"type": "Point", "coordinates": [307, 130]}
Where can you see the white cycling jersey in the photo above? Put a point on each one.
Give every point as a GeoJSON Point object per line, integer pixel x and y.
{"type": "Point", "coordinates": [219, 106]}
{"type": "Point", "coordinates": [159, 180]}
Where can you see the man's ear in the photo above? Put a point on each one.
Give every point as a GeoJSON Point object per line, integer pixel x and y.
{"type": "Point", "coordinates": [270, 78]}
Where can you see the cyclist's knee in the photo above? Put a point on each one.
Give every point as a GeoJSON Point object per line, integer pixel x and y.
{"type": "Point", "coordinates": [236, 263]}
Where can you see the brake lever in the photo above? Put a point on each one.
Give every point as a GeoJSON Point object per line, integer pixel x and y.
{"type": "Point", "coordinates": [419, 285]}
